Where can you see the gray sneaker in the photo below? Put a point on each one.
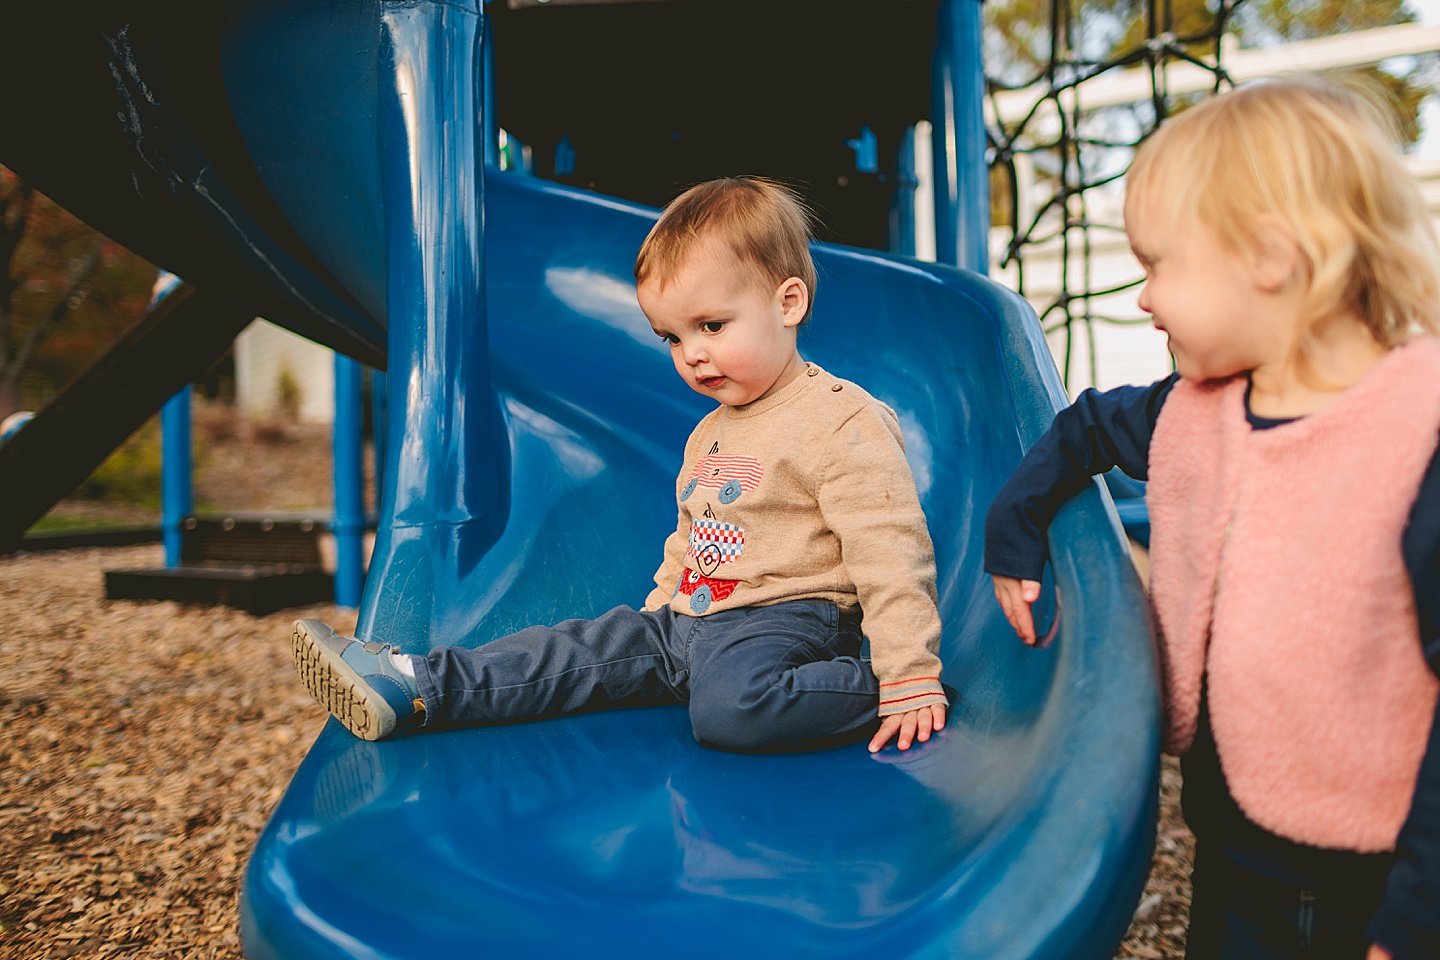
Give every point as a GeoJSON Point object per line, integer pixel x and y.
{"type": "Point", "coordinates": [357, 682]}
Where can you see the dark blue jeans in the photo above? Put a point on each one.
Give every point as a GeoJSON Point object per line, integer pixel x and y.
{"type": "Point", "coordinates": [1258, 895]}
{"type": "Point", "coordinates": [1238, 913]}
{"type": "Point", "coordinates": [781, 677]}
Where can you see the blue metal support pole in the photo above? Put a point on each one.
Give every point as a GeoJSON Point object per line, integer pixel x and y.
{"type": "Point", "coordinates": [902, 205]}
{"type": "Point", "coordinates": [177, 493]}
{"type": "Point", "coordinates": [349, 469]}
{"type": "Point", "coordinates": [957, 98]}
{"type": "Point", "coordinates": [379, 420]}
{"type": "Point", "coordinates": [177, 489]}
{"type": "Point", "coordinates": [489, 121]}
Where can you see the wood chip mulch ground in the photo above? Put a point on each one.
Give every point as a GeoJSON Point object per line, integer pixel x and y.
{"type": "Point", "coordinates": [143, 746]}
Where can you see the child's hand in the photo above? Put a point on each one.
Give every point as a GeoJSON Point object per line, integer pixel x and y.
{"type": "Point", "coordinates": [1015, 598]}
{"type": "Point", "coordinates": [911, 726]}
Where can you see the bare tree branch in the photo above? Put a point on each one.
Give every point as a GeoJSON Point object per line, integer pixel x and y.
{"type": "Point", "coordinates": [14, 218]}
{"type": "Point", "coordinates": [74, 296]}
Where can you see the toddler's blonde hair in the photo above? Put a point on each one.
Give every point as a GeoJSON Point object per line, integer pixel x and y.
{"type": "Point", "coordinates": [765, 225]}
{"type": "Point", "coordinates": [1320, 158]}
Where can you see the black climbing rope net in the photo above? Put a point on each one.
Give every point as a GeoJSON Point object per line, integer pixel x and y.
{"type": "Point", "coordinates": [1056, 158]}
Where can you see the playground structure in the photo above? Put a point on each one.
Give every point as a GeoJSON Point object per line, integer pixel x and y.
{"type": "Point", "coordinates": [323, 163]}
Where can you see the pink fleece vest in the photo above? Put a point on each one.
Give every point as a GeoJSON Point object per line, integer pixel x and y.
{"type": "Point", "coordinates": [1276, 571]}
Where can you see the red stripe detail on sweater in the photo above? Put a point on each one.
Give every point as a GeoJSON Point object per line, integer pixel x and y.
{"type": "Point", "coordinates": [718, 469]}
{"type": "Point", "coordinates": [916, 696]}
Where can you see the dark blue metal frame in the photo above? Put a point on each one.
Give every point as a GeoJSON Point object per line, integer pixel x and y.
{"type": "Point", "coordinates": [962, 185]}
{"type": "Point", "coordinates": [347, 444]}
{"type": "Point", "coordinates": [177, 489]}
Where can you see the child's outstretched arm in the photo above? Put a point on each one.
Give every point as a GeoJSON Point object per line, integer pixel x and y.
{"type": "Point", "coordinates": [866, 494]}
{"type": "Point", "coordinates": [1095, 433]}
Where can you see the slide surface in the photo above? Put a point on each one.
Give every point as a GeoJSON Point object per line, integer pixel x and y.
{"type": "Point", "coordinates": [1023, 830]}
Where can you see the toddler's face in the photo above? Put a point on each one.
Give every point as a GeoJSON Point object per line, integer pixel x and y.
{"type": "Point", "coordinates": [1203, 295]}
{"type": "Point", "coordinates": [730, 338]}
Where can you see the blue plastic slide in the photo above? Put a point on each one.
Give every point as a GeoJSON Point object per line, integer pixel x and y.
{"type": "Point", "coordinates": [1023, 830]}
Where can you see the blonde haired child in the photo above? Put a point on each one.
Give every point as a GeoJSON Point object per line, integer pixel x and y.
{"type": "Point", "coordinates": [797, 512]}
{"type": "Point", "coordinates": [1294, 494]}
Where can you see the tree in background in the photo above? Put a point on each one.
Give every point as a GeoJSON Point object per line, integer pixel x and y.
{"type": "Point", "coordinates": [1290, 20]}
{"type": "Point", "coordinates": [1054, 43]}
{"type": "Point", "coordinates": [66, 293]}
{"type": "Point", "coordinates": [1018, 34]}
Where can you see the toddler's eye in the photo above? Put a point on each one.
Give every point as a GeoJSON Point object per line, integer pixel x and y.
{"type": "Point", "coordinates": [669, 338]}
{"type": "Point", "coordinates": [711, 326]}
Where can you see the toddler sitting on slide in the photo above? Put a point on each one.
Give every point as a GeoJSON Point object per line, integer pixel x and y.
{"type": "Point", "coordinates": [798, 516]}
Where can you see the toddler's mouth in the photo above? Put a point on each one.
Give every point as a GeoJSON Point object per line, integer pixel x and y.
{"type": "Point", "coordinates": [710, 383]}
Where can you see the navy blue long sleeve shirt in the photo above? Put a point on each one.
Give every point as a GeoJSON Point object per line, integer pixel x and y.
{"type": "Point", "coordinates": [1101, 431]}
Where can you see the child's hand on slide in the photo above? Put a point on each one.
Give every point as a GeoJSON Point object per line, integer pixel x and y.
{"type": "Point", "coordinates": [1015, 598]}
{"type": "Point", "coordinates": [910, 727]}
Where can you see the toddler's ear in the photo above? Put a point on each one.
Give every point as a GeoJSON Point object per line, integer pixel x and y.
{"type": "Point", "coordinates": [1276, 257]}
{"type": "Point", "coordinates": [794, 299]}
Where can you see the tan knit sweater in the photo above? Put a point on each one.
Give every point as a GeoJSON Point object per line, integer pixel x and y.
{"type": "Point", "coordinates": [805, 494]}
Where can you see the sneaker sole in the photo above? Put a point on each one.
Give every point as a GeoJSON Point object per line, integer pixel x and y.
{"type": "Point", "coordinates": [336, 686]}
